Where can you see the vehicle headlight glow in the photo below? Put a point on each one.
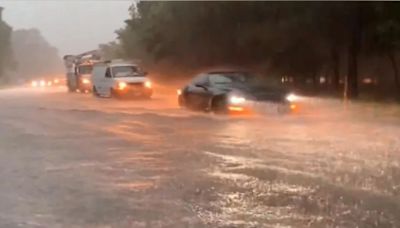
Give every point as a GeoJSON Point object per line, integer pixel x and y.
{"type": "Point", "coordinates": [42, 83]}
{"type": "Point", "coordinates": [122, 85]}
{"type": "Point", "coordinates": [85, 81]}
{"type": "Point", "coordinates": [179, 92]}
{"type": "Point", "coordinates": [34, 84]}
{"type": "Point", "coordinates": [147, 84]}
{"type": "Point", "coordinates": [237, 100]}
{"type": "Point", "coordinates": [292, 97]}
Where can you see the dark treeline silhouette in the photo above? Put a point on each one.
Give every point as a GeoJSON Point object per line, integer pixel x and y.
{"type": "Point", "coordinates": [321, 46]}
{"type": "Point", "coordinates": [5, 46]}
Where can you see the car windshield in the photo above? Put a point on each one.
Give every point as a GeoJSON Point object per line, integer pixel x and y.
{"type": "Point", "coordinates": [125, 71]}
{"type": "Point", "coordinates": [85, 69]}
{"type": "Point", "coordinates": [241, 79]}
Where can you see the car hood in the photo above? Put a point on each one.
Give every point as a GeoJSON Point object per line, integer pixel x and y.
{"type": "Point", "coordinates": [131, 79]}
{"type": "Point", "coordinates": [260, 93]}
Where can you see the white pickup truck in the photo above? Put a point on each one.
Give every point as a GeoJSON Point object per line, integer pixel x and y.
{"type": "Point", "coordinates": [120, 79]}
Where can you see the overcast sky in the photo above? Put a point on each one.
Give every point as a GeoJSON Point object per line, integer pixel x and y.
{"type": "Point", "coordinates": [72, 26]}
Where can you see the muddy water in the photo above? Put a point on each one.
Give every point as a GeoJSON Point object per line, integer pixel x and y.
{"type": "Point", "coordinates": [76, 161]}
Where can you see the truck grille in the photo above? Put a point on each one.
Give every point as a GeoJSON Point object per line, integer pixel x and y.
{"type": "Point", "coordinates": [135, 84]}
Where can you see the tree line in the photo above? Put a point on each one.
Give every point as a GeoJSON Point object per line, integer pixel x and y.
{"type": "Point", "coordinates": [343, 41]}
{"type": "Point", "coordinates": [25, 54]}
{"type": "Point", "coordinates": [5, 45]}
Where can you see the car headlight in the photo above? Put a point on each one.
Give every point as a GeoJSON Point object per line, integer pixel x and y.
{"type": "Point", "coordinates": [85, 81]}
{"type": "Point", "coordinates": [34, 84]}
{"type": "Point", "coordinates": [122, 85]}
{"type": "Point", "coordinates": [237, 100]}
{"type": "Point", "coordinates": [179, 92]}
{"type": "Point", "coordinates": [292, 97]}
{"type": "Point", "coordinates": [147, 84]}
{"type": "Point", "coordinates": [42, 83]}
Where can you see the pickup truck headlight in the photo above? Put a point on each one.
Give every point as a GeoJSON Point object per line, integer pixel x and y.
{"type": "Point", "coordinates": [147, 84]}
{"type": "Point", "coordinates": [122, 85]}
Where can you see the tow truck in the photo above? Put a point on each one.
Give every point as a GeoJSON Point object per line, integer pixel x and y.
{"type": "Point", "coordinates": [79, 70]}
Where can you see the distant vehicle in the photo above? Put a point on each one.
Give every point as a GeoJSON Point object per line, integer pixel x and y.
{"type": "Point", "coordinates": [41, 83]}
{"type": "Point", "coordinates": [120, 79]}
{"type": "Point", "coordinates": [47, 82]}
{"type": "Point", "coordinates": [226, 92]}
{"type": "Point", "coordinates": [58, 81]}
{"type": "Point", "coordinates": [79, 69]}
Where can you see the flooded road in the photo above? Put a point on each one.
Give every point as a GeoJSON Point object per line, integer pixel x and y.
{"type": "Point", "coordinates": [72, 160]}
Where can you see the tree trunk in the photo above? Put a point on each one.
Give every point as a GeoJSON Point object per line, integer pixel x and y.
{"type": "Point", "coordinates": [353, 52]}
{"type": "Point", "coordinates": [315, 81]}
{"type": "Point", "coordinates": [352, 75]}
{"type": "Point", "coordinates": [392, 58]}
{"type": "Point", "coordinates": [335, 68]}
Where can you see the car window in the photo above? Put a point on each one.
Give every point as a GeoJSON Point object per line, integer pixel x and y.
{"type": "Point", "coordinates": [125, 71]}
{"type": "Point", "coordinates": [85, 69]}
{"type": "Point", "coordinates": [201, 79]}
{"type": "Point", "coordinates": [218, 79]}
{"type": "Point", "coordinates": [108, 73]}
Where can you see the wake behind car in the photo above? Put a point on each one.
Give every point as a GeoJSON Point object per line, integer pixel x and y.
{"type": "Point", "coordinates": [234, 92]}
{"type": "Point", "coordinates": [120, 79]}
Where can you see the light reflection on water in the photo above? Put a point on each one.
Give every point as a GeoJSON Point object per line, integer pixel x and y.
{"type": "Point", "coordinates": [305, 175]}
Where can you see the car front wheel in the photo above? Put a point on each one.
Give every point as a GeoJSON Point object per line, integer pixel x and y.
{"type": "Point", "coordinates": [219, 105]}
{"type": "Point", "coordinates": [94, 91]}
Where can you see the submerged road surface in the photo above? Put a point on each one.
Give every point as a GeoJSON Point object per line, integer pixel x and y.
{"type": "Point", "coordinates": [72, 160]}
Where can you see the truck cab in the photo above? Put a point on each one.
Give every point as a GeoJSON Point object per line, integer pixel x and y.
{"type": "Point", "coordinates": [120, 79]}
{"type": "Point", "coordinates": [84, 74]}
{"type": "Point", "coordinates": [79, 70]}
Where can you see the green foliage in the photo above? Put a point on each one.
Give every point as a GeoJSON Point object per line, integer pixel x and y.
{"type": "Point", "coordinates": [111, 50]}
{"type": "Point", "coordinates": [5, 46]}
{"type": "Point", "coordinates": [301, 39]}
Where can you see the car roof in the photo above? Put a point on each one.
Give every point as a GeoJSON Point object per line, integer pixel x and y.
{"type": "Point", "coordinates": [115, 64]}
{"type": "Point", "coordinates": [122, 64]}
{"type": "Point", "coordinates": [227, 70]}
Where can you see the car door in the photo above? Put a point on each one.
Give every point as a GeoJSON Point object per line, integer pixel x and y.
{"type": "Point", "coordinates": [97, 77]}
{"type": "Point", "coordinates": [198, 93]}
{"type": "Point", "coordinates": [105, 82]}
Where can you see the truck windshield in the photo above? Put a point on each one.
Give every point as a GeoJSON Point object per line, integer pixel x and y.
{"type": "Point", "coordinates": [125, 71]}
{"type": "Point", "coordinates": [85, 69]}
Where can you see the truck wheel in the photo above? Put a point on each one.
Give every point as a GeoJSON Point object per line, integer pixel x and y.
{"type": "Point", "coordinates": [113, 94]}
{"type": "Point", "coordinates": [69, 87]}
{"type": "Point", "coordinates": [94, 91]}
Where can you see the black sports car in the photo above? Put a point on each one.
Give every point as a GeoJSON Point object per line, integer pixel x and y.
{"type": "Point", "coordinates": [234, 92]}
